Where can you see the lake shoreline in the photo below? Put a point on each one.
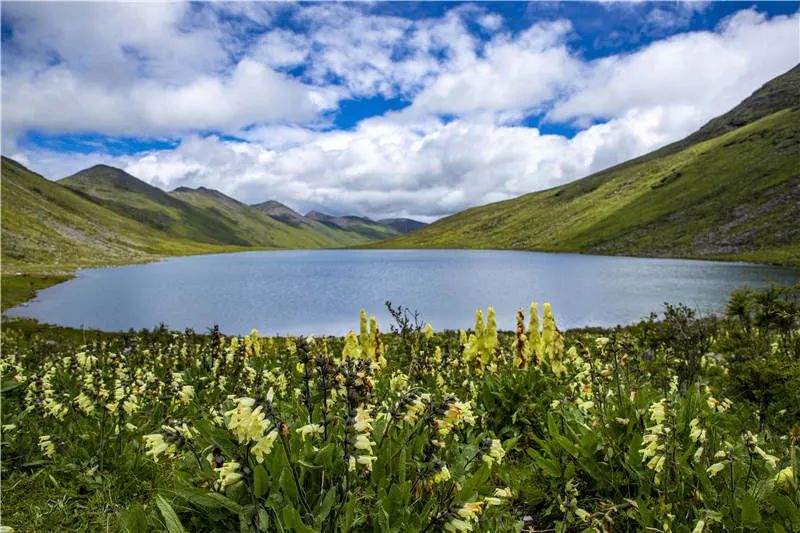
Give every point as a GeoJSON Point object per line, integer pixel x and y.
{"type": "Point", "coordinates": [39, 282]}
{"type": "Point", "coordinates": [319, 291]}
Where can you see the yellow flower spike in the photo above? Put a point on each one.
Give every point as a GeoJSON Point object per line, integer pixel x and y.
{"type": "Point", "coordinates": [351, 347]}
{"type": "Point", "coordinates": [534, 337]}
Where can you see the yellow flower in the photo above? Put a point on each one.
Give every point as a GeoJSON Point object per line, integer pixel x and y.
{"type": "Point", "coordinates": [715, 469]}
{"type": "Point", "coordinates": [657, 412]}
{"type": "Point", "coordinates": [46, 446]}
{"type": "Point", "coordinates": [464, 517]}
{"type": "Point", "coordinates": [229, 474]}
{"type": "Point", "coordinates": [441, 476]}
{"type": "Point", "coordinates": [156, 446]}
{"type": "Point", "coordinates": [264, 446]}
{"type": "Point", "coordinates": [495, 453]}
{"type": "Point", "coordinates": [247, 423]}
{"type": "Point", "coordinates": [785, 478]}
{"type": "Point", "coordinates": [187, 393]}
{"type": "Point", "coordinates": [84, 403]}
{"type": "Point", "coordinates": [309, 430]}
{"type": "Point", "coordinates": [504, 493]}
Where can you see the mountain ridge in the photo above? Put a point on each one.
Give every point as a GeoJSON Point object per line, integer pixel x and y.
{"type": "Point", "coordinates": [729, 196]}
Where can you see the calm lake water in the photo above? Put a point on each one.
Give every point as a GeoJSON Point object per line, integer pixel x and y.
{"type": "Point", "coordinates": [322, 291]}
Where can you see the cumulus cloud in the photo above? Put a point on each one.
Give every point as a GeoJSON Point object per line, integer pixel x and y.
{"type": "Point", "coordinates": [252, 117]}
{"type": "Point", "coordinates": [710, 71]}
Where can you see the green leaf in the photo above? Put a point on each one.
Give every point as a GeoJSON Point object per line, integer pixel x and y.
{"type": "Point", "coordinates": [260, 481]}
{"type": "Point", "coordinates": [750, 514]}
{"type": "Point", "coordinates": [327, 504]}
{"type": "Point", "coordinates": [226, 502]}
{"type": "Point", "coordinates": [171, 519]}
{"type": "Point", "coordinates": [293, 520]}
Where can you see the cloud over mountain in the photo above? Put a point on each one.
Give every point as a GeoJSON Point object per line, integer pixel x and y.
{"type": "Point", "coordinates": [368, 109]}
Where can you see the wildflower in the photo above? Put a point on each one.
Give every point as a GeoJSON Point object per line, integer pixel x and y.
{"type": "Point", "coordinates": [247, 423]}
{"type": "Point", "coordinates": [698, 454]}
{"type": "Point", "coordinates": [46, 446]}
{"type": "Point", "coordinates": [85, 403]}
{"type": "Point", "coordinates": [428, 331]}
{"type": "Point", "coordinates": [697, 434]}
{"type": "Point", "coordinates": [601, 342]}
{"type": "Point", "coordinates": [771, 460]}
{"type": "Point", "coordinates": [186, 395]}
{"type": "Point", "coordinates": [464, 517]}
{"type": "Point", "coordinates": [309, 429]}
{"type": "Point", "coordinates": [229, 475]}
{"type": "Point", "coordinates": [504, 492]}
{"type": "Point", "coordinates": [457, 414]}
{"type": "Point", "coordinates": [363, 421]}
{"type": "Point", "coordinates": [414, 404]}
{"type": "Point", "coordinates": [442, 475]}
{"type": "Point", "coordinates": [495, 453]}
{"type": "Point", "coordinates": [156, 446]}
{"type": "Point", "coordinates": [658, 412]}
{"type": "Point", "coordinates": [715, 469]}
{"type": "Point", "coordinates": [785, 478]}
{"type": "Point", "coordinates": [264, 446]}
{"type": "Point", "coordinates": [398, 382]}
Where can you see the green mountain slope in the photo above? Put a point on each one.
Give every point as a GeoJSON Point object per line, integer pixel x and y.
{"type": "Point", "coordinates": [368, 228]}
{"type": "Point", "coordinates": [402, 225]}
{"type": "Point", "coordinates": [49, 230]}
{"type": "Point", "coordinates": [732, 196]}
{"type": "Point", "coordinates": [247, 224]}
{"type": "Point", "coordinates": [337, 235]}
{"type": "Point", "coordinates": [205, 219]}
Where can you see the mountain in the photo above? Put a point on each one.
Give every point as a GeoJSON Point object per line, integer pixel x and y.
{"type": "Point", "coordinates": [284, 213]}
{"type": "Point", "coordinates": [731, 190]}
{"type": "Point", "coordinates": [339, 235]}
{"type": "Point", "coordinates": [248, 224]}
{"type": "Point", "coordinates": [371, 230]}
{"type": "Point", "coordinates": [48, 230]}
{"type": "Point", "coordinates": [202, 216]}
{"type": "Point", "coordinates": [402, 225]}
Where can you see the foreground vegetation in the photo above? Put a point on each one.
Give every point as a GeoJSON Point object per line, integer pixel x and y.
{"type": "Point", "coordinates": [678, 424]}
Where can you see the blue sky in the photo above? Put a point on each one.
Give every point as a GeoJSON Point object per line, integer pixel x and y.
{"type": "Point", "coordinates": [385, 109]}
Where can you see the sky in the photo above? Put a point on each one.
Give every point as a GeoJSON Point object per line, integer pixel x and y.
{"type": "Point", "coordinates": [381, 109]}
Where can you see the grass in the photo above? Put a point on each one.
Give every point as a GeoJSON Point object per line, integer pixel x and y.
{"type": "Point", "coordinates": [17, 289]}
{"type": "Point", "coordinates": [735, 196]}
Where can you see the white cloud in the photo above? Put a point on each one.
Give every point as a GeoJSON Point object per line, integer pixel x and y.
{"type": "Point", "coordinates": [710, 71]}
{"type": "Point", "coordinates": [407, 163]}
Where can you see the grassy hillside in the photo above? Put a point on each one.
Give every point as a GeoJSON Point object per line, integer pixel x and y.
{"type": "Point", "coordinates": [200, 215]}
{"type": "Point", "coordinates": [247, 224]}
{"type": "Point", "coordinates": [367, 228]}
{"type": "Point", "coordinates": [403, 225]}
{"type": "Point", "coordinates": [340, 236]}
{"type": "Point", "coordinates": [49, 230]}
{"type": "Point", "coordinates": [729, 191]}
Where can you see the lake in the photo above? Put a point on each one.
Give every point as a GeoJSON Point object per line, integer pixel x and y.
{"type": "Point", "coordinates": [321, 291]}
